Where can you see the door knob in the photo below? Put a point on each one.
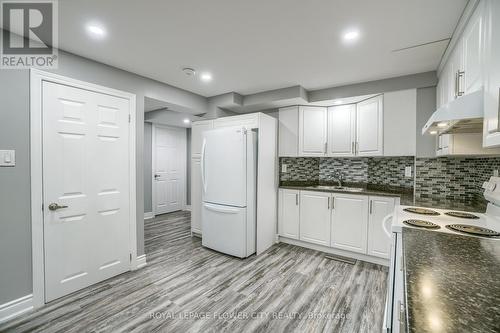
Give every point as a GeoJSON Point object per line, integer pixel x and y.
{"type": "Point", "coordinates": [54, 206]}
{"type": "Point", "coordinates": [157, 176]}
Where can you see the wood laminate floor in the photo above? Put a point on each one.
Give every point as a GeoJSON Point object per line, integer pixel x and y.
{"type": "Point", "coordinates": [188, 288]}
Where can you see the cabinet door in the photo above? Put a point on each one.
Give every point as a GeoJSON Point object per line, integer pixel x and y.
{"type": "Point", "coordinates": [289, 131]}
{"type": "Point", "coordinates": [349, 222]}
{"type": "Point", "coordinates": [472, 53]}
{"type": "Point", "coordinates": [248, 120]}
{"type": "Point", "coordinates": [315, 217]}
{"type": "Point", "coordinates": [196, 195]}
{"type": "Point", "coordinates": [369, 130]}
{"type": "Point", "coordinates": [491, 128]}
{"type": "Point", "coordinates": [288, 218]}
{"type": "Point", "coordinates": [400, 123]}
{"type": "Point", "coordinates": [197, 135]}
{"type": "Point", "coordinates": [455, 65]}
{"type": "Point", "coordinates": [379, 244]}
{"type": "Point", "coordinates": [312, 130]}
{"type": "Point", "coordinates": [341, 130]}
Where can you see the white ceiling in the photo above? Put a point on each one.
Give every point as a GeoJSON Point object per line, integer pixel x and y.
{"type": "Point", "coordinates": [257, 45]}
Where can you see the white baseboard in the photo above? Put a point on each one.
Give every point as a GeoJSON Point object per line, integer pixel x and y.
{"type": "Point", "coordinates": [140, 261]}
{"type": "Point", "coordinates": [326, 249]}
{"type": "Point", "coordinates": [187, 207]}
{"type": "Point", "coordinates": [148, 215]}
{"type": "Point", "coordinates": [16, 307]}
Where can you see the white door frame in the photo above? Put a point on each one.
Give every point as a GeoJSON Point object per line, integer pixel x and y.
{"type": "Point", "coordinates": [153, 164]}
{"type": "Point", "coordinates": [37, 78]}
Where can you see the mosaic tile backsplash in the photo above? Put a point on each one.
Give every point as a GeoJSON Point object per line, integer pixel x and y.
{"type": "Point", "coordinates": [449, 178]}
{"type": "Point", "coordinates": [370, 170]}
{"type": "Point", "coordinates": [453, 178]}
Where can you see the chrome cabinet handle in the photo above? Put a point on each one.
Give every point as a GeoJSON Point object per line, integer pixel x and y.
{"type": "Point", "coordinates": [328, 203]}
{"type": "Point", "coordinates": [456, 84]}
{"type": "Point", "coordinates": [53, 206]}
{"type": "Point", "coordinates": [371, 207]}
{"type": "Point", "coordinates": [460, 74]}
{"type": "Point", "coordinates": [333, 203]}
{"type": "Point", "coordinates": [296, 199]}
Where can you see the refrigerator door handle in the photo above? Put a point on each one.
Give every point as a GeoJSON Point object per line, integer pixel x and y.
{"type": "Point", "coordinates": [219, 209]}
{"type": "Point", "coordinates": [203, 183]}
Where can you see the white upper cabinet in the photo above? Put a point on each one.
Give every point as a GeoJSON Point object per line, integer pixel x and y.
{"type": "Point", "coordinates": [341, 130]}
{"type": "Point", "coordinates": [312, 130]}
{"type": "Point", "coordinates": [315, 208]}
{"type": "Point", "coordinates": [288, 214]}
{"type": "Point", "coordinates": [400, 123]}
{"type": "Point", "coordinates": [369, 129]}
{"type": "Point", "coordinates": [491, 128]}
{"type": "Point", "coordinates": [349, 222]}
{"type": "Point", "coordinates": [379, 243]}
{"type": "Point", "coordinates": [197, 135]}
{"type": "Point", "coordinates": [472, 43]}
{"type": "Point", "coordinates": [289, 131]}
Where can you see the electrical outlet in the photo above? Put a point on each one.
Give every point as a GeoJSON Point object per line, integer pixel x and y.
{"type": "Point", "coordinates": [284, 168]}
{"type": "Point", "coordinates": [408, 171]}
{"type": "Point", "coordinates": [495, 173]}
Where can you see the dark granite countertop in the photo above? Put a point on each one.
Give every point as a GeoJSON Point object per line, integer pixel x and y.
{"type": "Point", "coordinates": [406, 194]}
{"type": "Point", "coordinates": [452, 282]}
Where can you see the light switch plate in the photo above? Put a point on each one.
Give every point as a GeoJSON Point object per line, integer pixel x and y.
{"type": "Point", "coordinates": [284, 168]}
{"type": "Point", "coordinates": [7, 158]}
{"type": "Point", "coordinates": [408, 171]}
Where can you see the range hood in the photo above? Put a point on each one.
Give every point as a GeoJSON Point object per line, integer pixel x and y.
{"type": "Point", "coordinates": [462, 115]}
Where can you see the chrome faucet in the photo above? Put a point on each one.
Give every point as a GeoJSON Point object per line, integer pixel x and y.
{"type": "Point", "coordinates": [339, 177]}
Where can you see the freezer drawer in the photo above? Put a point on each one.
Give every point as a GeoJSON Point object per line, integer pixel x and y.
{"type": "Point", "coordinates": [226, 229]}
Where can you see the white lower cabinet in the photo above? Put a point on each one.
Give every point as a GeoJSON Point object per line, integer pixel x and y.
{"type": "Point", "coordinates": [289, 213]}
{"type": "Point", "coordinates": [343, 221]}
{"type": "Point", "coordinates": [349, 222]}
{"type": "Point", "coordinates": [379, 244]}
{"type": "Point", "coordinates": [315, 217]}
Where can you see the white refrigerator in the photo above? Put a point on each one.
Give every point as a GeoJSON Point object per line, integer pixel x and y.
{"type": "Point", "coordinates": [229, 180]}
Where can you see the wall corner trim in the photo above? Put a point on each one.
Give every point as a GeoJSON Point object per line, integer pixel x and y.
{"type": "Point", "coordinates": [15, 308]}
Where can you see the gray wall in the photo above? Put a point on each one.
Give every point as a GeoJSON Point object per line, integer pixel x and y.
{"type": "Point", "coordinates": [426, 105]}
{"type": "Point", "coordinates": [15, 224]}
{"type": "Point", "coordinates": [148, 158]}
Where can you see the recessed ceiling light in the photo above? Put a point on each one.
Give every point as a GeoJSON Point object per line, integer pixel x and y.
{"type": "Point", "coordinates": [206, 77]}
{"type": "Point", "coordinates": [186, 121]}
{"type": "Point", "coordinates": [442, 125]}
{"type": "Point", "coordinates": [96, 31]}
{"type": "Point", "coordinates": [351, 35]}
{"type": "Point", "coordinates": [433, 132]}
{"type": "Point", "coordinates": [338, 102]}
{"type": "Point", "coordinates": [189, 71]}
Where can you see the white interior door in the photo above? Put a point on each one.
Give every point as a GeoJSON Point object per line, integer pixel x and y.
{"type": "Point", "coordinates": [169, 169]}
{"type": "Point", "coordinates": [85, 187]}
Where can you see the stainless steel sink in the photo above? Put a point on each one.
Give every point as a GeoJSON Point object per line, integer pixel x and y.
{"type": "Point", "coordinates": [338, 188]}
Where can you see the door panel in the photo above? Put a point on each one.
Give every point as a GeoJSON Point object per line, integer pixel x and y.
{"type": "Point", "coordinates": [196, 195]}
{"type": "Point", "coordinates": [85, 149]}
{"type": "Point", "coordinates": [341, 130]}
{"type": "Point", "coordinates": [315, 217]}
{"type": "Point", "coordinates": [350, 222]}
{"type": "Point", "coordinates": [224, 229]}
{"type": "Point", "coordinates": [169, 168]}
{"type": "Point", "coordinates": [379, 244]}
{"type": "Point", "coordinates": [312, 131]}
{"type": "Point", "coordinates": [369, 131]}
{"type": "Point", "coordinates": [289, 213]}
{"type": "Point", "coordinates": [223, 166]}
